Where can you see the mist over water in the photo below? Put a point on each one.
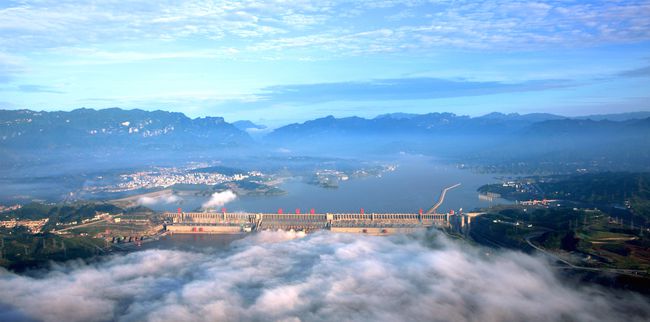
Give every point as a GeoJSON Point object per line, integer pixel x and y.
{"type": "Point", "coordinates": [285, 276]}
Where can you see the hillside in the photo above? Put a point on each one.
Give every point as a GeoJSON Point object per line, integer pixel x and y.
{"type": "Point", "coordinates": [26, 129]}
{"type": "Point", "coordinates": [532, 143]}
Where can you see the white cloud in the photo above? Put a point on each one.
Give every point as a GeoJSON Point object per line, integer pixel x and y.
{"type": "Point", "coordinates": [275, 276]}
{"type": "Point", "coordinates": [10, 66]}
{"type": "Point", "coordinates": [85, 56]}
{"type": "Point", "coordinates": [162, 199]}
{"type": "Point", "coordinates": [496, 25]}
{"type": "Point", "coordinates": [219, 199]}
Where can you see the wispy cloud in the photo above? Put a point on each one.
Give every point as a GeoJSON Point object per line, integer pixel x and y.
{"type": "Point", "coordinates": [399, 89]}
{"type": "Point", "coordinates": [638, 72]}
{"type": "Point", "coordinates": [30, 88]}
{"type": "Point", "coordinates": [91, 56]}
{"type": "Point", "coordinates": [10, 66]}
{"type": "Point", "coordinates": [495, 25]}
{"type": "Point", "coordinates": [163, 52]}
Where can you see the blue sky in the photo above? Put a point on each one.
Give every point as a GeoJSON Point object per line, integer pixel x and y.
{"type": "Point", "coordinates": [283, 61]}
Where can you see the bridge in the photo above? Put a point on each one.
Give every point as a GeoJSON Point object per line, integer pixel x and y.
{"type": "Point", "coordinates": [373, 223]}
{"type": "Point", "coordinates": [435, 207]}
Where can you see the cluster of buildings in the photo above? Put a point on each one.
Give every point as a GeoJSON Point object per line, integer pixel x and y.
{"type": "Point", "coordinates": [523, 186]}
{"type": "Point", "coordinates": [98, 216]}
{"type": "Point", "coordinates": [167, 177]}
{"type": "Point", "coordinates": [332, 173]}
{"type": "Point", "coordinates": [34, 226]}
{"type": "Point", "coordinates": [330, 178]}
{"type": "Point", "coordinates": [9, 208]}
{"type": "Point", "coordinates": [147, 180]}
{"type": "Point", "coordinates": [536, 202]}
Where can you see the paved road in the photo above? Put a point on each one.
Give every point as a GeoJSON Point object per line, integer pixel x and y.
{"type": "Point", "coordinates": [82, 225]}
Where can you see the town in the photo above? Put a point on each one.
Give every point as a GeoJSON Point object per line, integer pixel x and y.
{"type": "Point", "coordinates": [168, 177]}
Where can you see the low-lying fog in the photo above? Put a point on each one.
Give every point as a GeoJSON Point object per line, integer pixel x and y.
{"type": "Point", "coordinates": [318, 277]}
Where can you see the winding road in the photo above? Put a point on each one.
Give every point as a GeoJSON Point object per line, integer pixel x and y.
{"type": "Point", "coordinates": [632, 272]}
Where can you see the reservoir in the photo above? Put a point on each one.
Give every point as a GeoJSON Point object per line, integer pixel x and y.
{"type": "Point", "coordinates": [416, 183]}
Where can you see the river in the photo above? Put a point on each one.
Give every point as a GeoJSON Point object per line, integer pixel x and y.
{"type": "Point", "coordinates": [416, 183]}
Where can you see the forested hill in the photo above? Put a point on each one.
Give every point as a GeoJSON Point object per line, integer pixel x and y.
{"type": "Point", "coordinates": [608, 188]}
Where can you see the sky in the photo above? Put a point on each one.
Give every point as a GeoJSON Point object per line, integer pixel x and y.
{"type": "Point", "coordinates": [286, 61]}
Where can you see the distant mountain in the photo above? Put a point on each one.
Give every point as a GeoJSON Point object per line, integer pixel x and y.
{"type": "Point", "coordinates": [539, 117]}
{"type": "Point", "coordinates": [397, 116]}
{"type": "Point", "coordinates": [511, 142]}
{"type": "Point", "coordinates": [408, 125]}
{"type": "Point", "coordinates": [532, 117]}
{"type": "Point", "coordinates": [131, 129]}
{"type": "Point", "coordinates": [616, 117]}
{"type": "Point", "coordinates": [582, 127]}
{"type": "Point", "coordinates": [247, 125]}
{"type": "Point", "coordinates": [449, 124]}
{"type": "Point", "coordinates": [112, 138]}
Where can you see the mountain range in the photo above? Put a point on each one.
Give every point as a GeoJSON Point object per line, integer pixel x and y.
{"type": "Point", "coordinates": [444, 125]}
{"type": "Point", "coordinates": [114, 127]}
{"type": "Point", "coordinates": [615, 140]}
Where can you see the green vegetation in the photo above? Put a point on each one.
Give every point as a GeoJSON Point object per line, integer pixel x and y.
{"type": "Point", "coordinates": [250, 187]}
{"type": "Point", "coordinates": [61, 213]}
{"type": "Point", "coordinates": [584, 237]}
{"type": "Point", "coordinates": [228, 171]}
{"type": "Point", "coordinates": [604, 188]}
{"type": "Point", "coordinates": [598, 189]}
{"type": "Point", "coordinates": [506, 192]}
{"type": "Point", "coordinates": [19, 249]}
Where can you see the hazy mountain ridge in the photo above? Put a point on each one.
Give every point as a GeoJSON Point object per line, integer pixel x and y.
{"type": "Point", "coordinates": [115, 136]}
{"type": "Point", "coordinates": [588, 126]}
{"type": "Point", "coordinates": [110, 127]}
{"type": "Point", "coordinates": [449, 123]}
{"type": "Point", "coordinates": [617, 116]}
{"type": "Point", "coordinates": [246, 125]}
{"type": "Point", "coordinates": [509, 142]}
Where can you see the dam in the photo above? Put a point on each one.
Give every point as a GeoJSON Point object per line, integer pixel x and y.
{"type": "Point", "coordinates": [372, 224]}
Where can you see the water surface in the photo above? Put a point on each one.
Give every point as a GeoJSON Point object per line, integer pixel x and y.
{"type": "Point", "coordinates": [415, 184]}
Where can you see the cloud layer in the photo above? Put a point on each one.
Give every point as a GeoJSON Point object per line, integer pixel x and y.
{"type": "Point", "coordinates": [342, 26]}
{"type": "Point", "coordinates": [399, 89]}
{"type": "Point", "coordinates": [319, 277]}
